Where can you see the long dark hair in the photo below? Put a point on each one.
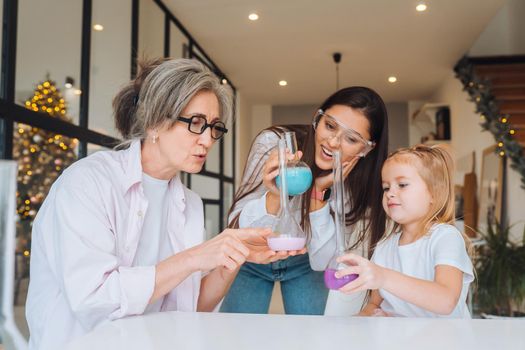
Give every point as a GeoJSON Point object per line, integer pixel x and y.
{"type": "Point", "coordinates": [363, 185]}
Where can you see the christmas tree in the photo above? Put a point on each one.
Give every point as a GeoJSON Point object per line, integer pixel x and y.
{"type": "Point", "coordinates": [41, 155]}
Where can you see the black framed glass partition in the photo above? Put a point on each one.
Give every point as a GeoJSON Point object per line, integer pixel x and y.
{"type": "Point", "coordinates": [218, 171]}
{"type": "Point", "coordinates": [62, 62]}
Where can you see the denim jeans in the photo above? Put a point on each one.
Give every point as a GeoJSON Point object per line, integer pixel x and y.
{"type": "Point", "coordinates": [302, 289]}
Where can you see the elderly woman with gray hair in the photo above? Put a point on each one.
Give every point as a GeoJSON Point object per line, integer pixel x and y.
{"type": "Point", "coordinates": [119, 234]}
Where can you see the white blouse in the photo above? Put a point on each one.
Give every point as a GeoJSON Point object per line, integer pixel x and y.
{"type": "Point", "coordinates": [85, 239]}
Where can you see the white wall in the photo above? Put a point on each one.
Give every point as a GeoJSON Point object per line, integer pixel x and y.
{"type": "Point", "coordinates": [301, 114]}
{"type": "Point", "coordinates": [505, 34]}
{"type": "Point", "coordinates": [251, 119]}
{"type": "Point", "coordinates": [416, 128]}
{"type": "Point", "coordinates": [398, 135]}
{"type": "Point", "coordinates": [515, 202]}
{"type": "Point", "coordinates": [467, 136]}
{"type": "Point", "coordinates": [261, 118]}
{"type": "Point", "coordinates": [243, 125]}
{"type": "Point", "coordinates": [464, 124]}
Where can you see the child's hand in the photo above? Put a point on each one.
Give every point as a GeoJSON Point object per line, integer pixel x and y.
{"type": "Point", "coordinates": [371, 276]}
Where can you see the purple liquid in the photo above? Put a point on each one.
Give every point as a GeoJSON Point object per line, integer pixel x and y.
{"type": "Point", "coordinates": [333, 282]}
{"type": "Point", "coordinates": [286, 243]}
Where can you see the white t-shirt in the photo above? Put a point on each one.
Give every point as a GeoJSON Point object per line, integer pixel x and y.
{"type": "Point", "coordinates": [443, 245]}
{"type": "Point", "coordinates": [154, 245]}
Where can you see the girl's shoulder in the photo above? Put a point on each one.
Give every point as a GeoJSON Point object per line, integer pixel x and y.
{"type": "Point", "coordinates": [442, 229]}
{"type": "Point", "coordinates": [445, 234]}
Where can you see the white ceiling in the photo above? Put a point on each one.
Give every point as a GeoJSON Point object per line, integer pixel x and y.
{"type": "Point", "coordinates": [294, 40]}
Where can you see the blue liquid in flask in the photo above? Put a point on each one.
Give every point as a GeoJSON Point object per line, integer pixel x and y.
{"type": "Point", "coordinates": [298, 179]}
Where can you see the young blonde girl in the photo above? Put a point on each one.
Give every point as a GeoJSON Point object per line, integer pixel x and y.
{"type": "Point", "coordinates": [421, 269]}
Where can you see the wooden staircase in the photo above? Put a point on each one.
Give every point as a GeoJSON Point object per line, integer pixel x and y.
{"type": "Point", "coordinates": [507, 81]}
{"type": "Point", "coordinates": [497, 87]}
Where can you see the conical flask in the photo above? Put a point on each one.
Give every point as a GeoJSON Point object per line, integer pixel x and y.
{"type": "Point", "coordinates": [330, 280]}
{"type": "Point", "coordinates": [298, 174]}
{"type": "Point", "coordinates": [289, 235]}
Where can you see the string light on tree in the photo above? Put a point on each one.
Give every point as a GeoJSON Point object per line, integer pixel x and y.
{"type": "Point", "coordinates": [41, 155]}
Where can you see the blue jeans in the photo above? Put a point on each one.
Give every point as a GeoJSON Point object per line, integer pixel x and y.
{"type": "Point", "coordinates": [302, 289]}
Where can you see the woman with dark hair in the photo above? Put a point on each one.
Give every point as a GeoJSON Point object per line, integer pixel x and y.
{"type": "Point", "coordinates": [119, 234]}
{"type": "Point", "coordinates": [353, 120]}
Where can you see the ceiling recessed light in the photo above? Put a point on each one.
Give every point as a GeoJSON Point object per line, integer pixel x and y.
{"type": "Point", "coordinates": [421, 7]}
{"type": "Point", "coordinates": [392, 79]}
{"type": "Point", "coordinates": [253, 16]}
{"type": "Point", "coordinates": [283, 83]}
{"type": "Point", "coordinates": [98, 27]}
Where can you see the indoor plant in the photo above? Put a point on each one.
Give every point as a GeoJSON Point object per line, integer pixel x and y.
{"type": "Point", "coordinates": [500, 267]}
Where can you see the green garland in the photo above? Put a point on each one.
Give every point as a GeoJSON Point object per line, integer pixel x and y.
{"type": "Point", "coordinates": [480, 93]}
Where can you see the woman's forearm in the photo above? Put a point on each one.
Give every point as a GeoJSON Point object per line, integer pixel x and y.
{"type": "Point", "coordinates": [170, 272]}
{"type": "Point", "coordinates": [214, 287]}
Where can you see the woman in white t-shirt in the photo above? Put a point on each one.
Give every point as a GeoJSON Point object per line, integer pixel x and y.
{"type": "Point", "coordinates": [422, 269]}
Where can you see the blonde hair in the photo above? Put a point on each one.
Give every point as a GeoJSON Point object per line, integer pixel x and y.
{"type": "Point", "coordinates": [160, 92]}
{"type": "Point", "coordinates": [435, 166]}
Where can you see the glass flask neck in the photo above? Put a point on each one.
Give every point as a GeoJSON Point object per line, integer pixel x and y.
{"type": "Point", "coordinates": [282, 178]}
{"type": "Point", "coordinates": [339, 203]}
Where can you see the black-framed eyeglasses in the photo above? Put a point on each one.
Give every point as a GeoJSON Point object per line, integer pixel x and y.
{"type": "Point", "coordinates": [197, 124]}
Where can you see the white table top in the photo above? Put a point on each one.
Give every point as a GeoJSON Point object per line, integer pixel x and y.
{"type": "Point", "coordinates": [177, 330]}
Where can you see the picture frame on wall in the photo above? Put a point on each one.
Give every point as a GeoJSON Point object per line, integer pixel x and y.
{"type": "Point", "coordinates": [491, 189]}
{"type": "Point", "coordinates": [443, 123]}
